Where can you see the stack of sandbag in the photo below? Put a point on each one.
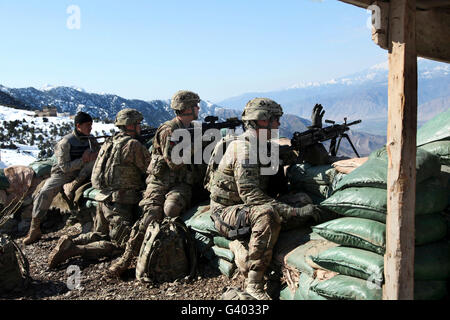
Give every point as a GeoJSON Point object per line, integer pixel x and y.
{"type": "Point", "coordinates": [209, 244]}
{"type": "Point", "coordinates": [316, 181]}
{"type": "Point", "coordinates": [89, 195]}
{"type": "Point", "coordinates": [292, 262]}
{"type": "Point", "coordinates": [434, 137]}
{"type": "Point", "coordinates": [43, 167]}
{"type": "Point", "coordinates": [361, 197]}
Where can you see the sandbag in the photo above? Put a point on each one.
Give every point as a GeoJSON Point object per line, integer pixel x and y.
{"type": "Point", "coordinates": [222, 242]}
{"type": "Point", "coordinates": [371, 203]}
{"type": "Point", "coordinates": [355, 232]}
{"type": "Point", "coordinates": [43, 167]}
{"type": "Point", "coordinates": [438, 128]}
{"type": "Point", "coordinates": [304, 291]}
{"type": "Point", "coordinates": [373, 173]}
{"type": "Point", "coordinates": [352, 262]}
{"type": "Point", "coordinates": [440, 149]}
{"type": "Point", "coordinates": [371, 235]}
{"type": "Point", "coordinates": [343, 287]}
{"type": "Point", "coordinates": [223, 253]}
{"type": "Point", "coordinates": [225, 267]}
{"type": "Point", "coordinates": [4, 183]}
{"type": "Point", "coordinates": [199, 219]}
{"type": "Point", "coordinates": [300, 257]}
{"type": "Point", "coordinates": [314, 180]}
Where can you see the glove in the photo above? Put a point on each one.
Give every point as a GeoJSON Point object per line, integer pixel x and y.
{"type": "Point", "coordinates": [316, 116]}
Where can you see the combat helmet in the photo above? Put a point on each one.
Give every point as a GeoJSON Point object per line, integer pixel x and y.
{"type": "Point", "coordinates": [260, 109]}
{"type": "Point", "coordinates": [184, 99]}
{"type": "Point", "coordinates": [128, 116]}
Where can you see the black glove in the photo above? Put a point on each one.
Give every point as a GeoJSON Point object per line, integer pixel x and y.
{"type": "Point", "coordinates": [316, 116]}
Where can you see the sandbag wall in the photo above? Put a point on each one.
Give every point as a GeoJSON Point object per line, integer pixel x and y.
{"type": "Point", "coordinates": [361, 197]}
{"type": "Point", "coordinates": [209, 244]}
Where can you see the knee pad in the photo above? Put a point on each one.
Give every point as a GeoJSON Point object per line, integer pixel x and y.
{"type": "Point", "coordinates": [172, 209]}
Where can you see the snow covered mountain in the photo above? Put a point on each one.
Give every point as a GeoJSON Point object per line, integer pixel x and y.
{"type": "Point", "coordinates": [362, 95]}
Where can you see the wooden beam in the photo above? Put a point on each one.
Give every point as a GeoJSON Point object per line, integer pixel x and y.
{"type": "Point", "coordinates": [433, 34]}
{"type": "Point", "coordinates": [401, 148]}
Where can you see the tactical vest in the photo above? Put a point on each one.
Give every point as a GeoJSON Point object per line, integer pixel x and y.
{"type": "Point", "coordinates": [110, 173]}
{"type": "Point", "coordinates": [159, 168]}
{"type": "Point", "coordinates": [77, 146]}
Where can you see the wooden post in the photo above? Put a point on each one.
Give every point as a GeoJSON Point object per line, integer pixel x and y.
{"type": "Point", "coordinates": [401, 148]}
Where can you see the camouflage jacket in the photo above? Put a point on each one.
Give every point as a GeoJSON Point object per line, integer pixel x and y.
{"type": "Point", "coordinates": [68, 153]}
{"type": "Point", "coordinates": [238, 180]}
{"type": "Point", "coordinates": [162, 169]}
{"type": "Point", "coordinates": [120, 168]}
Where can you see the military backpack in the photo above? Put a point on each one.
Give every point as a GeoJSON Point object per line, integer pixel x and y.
{"type": "Point", "coordinates": [167, 252]}
{"type": "Point", "coordinates": [14, 266]}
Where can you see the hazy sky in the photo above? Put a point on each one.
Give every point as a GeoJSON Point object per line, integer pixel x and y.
{"type": "Point", "coordinates": [148, 50]}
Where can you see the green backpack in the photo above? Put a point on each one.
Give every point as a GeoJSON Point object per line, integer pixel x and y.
{"type": "Point", "coordinates": [14, 266]}
{"type": "Point", "coordinates": [167, 252]}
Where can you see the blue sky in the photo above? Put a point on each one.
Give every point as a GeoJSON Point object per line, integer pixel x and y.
{"type": "Point", "coordinates": [148, 49]}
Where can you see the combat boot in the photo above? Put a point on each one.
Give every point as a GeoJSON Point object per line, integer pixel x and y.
{"type": "Point", "coordinates": [34, 234]}
{"type": "Point", "coordinates": [254, 285]}
{"type": "Point", "coordinates": [121, 265]}
{"type": "Point", "coordinates": [64, 250]}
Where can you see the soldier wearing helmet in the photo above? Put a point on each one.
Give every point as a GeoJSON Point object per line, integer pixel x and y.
{"type": "Point", "coordinates": [241, 207]}
{"type": "Point", "coordinates": [119, 175]}
{"type": "Point", "coordinates": [169, 185]}
{"type": "Point", "coordinates": [75, 154]}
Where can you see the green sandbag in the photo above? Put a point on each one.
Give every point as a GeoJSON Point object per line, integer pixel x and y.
{"type": "Point", "coordinates": [43, 167]}
{"type": "Point", "coordinates": [90, 193]}
{"type": "Point", "coordinates": [343, 287]}
{"type": "Point", "coordinates": [300, 257]}
{"type": "Point", "coordinates": [226, 268]}
{"type": "Point", "coordinates": [352, 262]}
{"type": "Point", "coordinates": [355, 232]}
{"type": "Point", "coordinates": [430, 290]}
{"type": "Point", "coordinates": [304, 291]}
{"type": "Point", "coordinates": [371, 235]}
{"type": "Point", "coordinates": [203, 243]}
{"type": "Point", "coordinates": [432, 261]}
{"type": "Point", "coordinates": [223, 253]}
{"type": "Point", "coordinates": [286, 294]}
{"type": "Point", "coordinates": [438, 128]}
{"type": "Point", "coordinates": [199, 219]}
{"type": "Point", "coordinates": [373, 173]}
{"type": "Point", "coordinates": [371, 203]}
{"type": "Point", "coordinates": [91, 204]}
{"type": "Point", "coordinates": [222, 242]}
{"type": "Point", "coordinates": [440, 149]}
{"type": "Point", "coordinates": [4, 182]}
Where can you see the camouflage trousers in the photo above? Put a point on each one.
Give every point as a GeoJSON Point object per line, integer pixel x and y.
{"type": "Point", "coordinates": [262, 222]}
{"type": "Point", "coordinates": [112, 228]}
{"type": "Point", "coordinates": [53, 185]}
{"type": "Point", "coordinates": [159, 201]}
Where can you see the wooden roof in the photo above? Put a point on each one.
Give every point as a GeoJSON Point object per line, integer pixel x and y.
{"type": "Point", "coordinates": [432, 27]}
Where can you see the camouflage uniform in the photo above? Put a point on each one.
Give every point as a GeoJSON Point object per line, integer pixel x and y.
{"type": "Point", "coordinates": [239, 201]}
{"type": "Point", "coordinates": [169, 185]}
{"type": "Point", "coordinates": [119, 174]}
{"type": "Point", "coordinates": [68, 167]}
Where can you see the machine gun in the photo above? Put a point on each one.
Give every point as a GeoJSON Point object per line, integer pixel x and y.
{"type": "Point", "coordinates": [335, 133]}
{"type": "Point", "coordinates": [210, 123]}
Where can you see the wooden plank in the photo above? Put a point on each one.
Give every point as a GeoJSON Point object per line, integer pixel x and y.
{"type": "Point", "coordinates": [433, 34]}
{"type": "Point", "coordinates": [401, 148]}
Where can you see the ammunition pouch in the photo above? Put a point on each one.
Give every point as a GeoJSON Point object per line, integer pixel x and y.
{"type": "Point", "coordinates": [238, 232]}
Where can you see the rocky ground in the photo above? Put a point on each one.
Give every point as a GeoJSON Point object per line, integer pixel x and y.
{"type": "Point", "coordinates": [94, 284]}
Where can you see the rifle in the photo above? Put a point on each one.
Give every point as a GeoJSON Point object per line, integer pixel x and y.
{"type": "Point", "coordinates": [335, 132]}
{"type": "Point", "coordinates": [145, 136]}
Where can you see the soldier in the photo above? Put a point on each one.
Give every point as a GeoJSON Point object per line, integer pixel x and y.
{"type": "Point", "coordinates": [119, 174]}
{"type": "Point", "coordinates": [169, 185]}
{"type": "Point", "coordinates": [75, 155]}
{"type": "Point", "coordinates": [240, 204]}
